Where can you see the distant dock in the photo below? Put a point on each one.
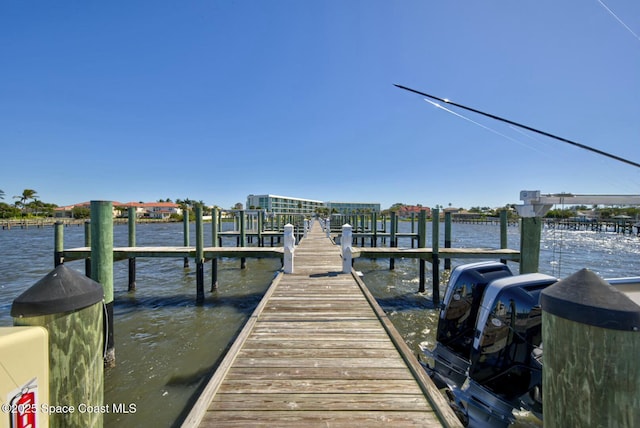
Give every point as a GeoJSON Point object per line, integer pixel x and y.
{"type": "Point", "coordinates": [623, 226]}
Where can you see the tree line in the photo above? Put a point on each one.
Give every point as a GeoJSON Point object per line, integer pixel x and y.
{"type": "Point", "coordinates": [27, 203]}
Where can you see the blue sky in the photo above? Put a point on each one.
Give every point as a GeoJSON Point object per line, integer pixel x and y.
{"type": "Point", "coordinates": [214, 100]}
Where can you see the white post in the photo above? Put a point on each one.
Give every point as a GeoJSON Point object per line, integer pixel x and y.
{"type": "Point", "coordinates": [327, 226]}
{"type": "Point", "coordinates": [306, 227]}
{"type": "Point", "coordinates": [345, 240]}
{"type": "Point", "coordinates": [289, 248]}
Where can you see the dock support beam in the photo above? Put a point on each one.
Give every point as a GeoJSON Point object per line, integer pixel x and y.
{"type": "Point", "coordinates": [102, 267]}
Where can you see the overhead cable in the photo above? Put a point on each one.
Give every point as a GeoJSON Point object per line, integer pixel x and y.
{"type": "Point", "coordinates": [528, 128]}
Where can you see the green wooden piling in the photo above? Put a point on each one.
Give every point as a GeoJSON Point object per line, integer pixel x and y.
{"type": "Point", "coordinates": [185, 232]}
{"type": "Point", "coordinates": [87, 243]}
{"type": "Point", "coordinates": [530, 232]}
{"type": "Point", "coordinates": [69, 306]}
{"type": "Point", "coordinates": [58, 258]}
{"type": "Point", "coordinates": [413, 228]}
{"type": "Point", "coordinates": [591, 337]}
{"type": "Point", "coordinates": [243, 239]}
{"type": "Point", "coordinates": [132, 243]}
{"type": "Point", "coordinates": [503, 232]}
{"type": "Point", "coordinates": [260, 226]}
{"type": "Point", "coordinates": [199, 256]}
{"type": "Point", "coordinates": [447, 237]}
{"type": "Point", "coordinates": [435, 261]}
{"type": "Point", "coordinates": [374, 226]}
{"type": "Point", "coordinates": [214, 243]}
{"type": "Point", "coordinates": [393, 242]}
{"type": "Point", "coordinates": [422, 243]}
{"type": "Point", "coordinates": [102, 266]}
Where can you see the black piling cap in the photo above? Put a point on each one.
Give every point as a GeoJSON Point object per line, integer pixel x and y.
{"type": "Point", "coordinates": [61, 290]}
{"type": "Point", "coordinates": [586, 298]}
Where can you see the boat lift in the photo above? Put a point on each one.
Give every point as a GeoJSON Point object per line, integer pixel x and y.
{"type": "Point", "coordinates": [537, 205]}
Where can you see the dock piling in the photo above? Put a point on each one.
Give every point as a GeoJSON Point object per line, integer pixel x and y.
{"type": "Point", "coordinates": [102, 267]}
{"type": "Point", "coordinates": [185, 228]}
{"type": "Point", "coordinates": [289, 248]}
{"type": "Point", "coordinates": [132, 243]}
{"type": "Point", "coordinates": [530, 233]}
{"type": "Point", "coordinates": [591, 336]}
{"type": "Point", "coordinates": [58, 258]}
{"type": "Point", "coordinates": [243, 239]}
{"type": "Point", "coordinates": [447, 237]}
{"type": "Point", "coordinates": [199, 256]}
{"type": "Point", "coordinates": [435, 261]}
{"type": "Point", "coordinates": [214, 243]}
{"type": "Point", "coordinates": [422, 243]}
{"type": "Point", "coordinates": [69, 306]}
{"type": "Point", "coordinates": [393, 243]}
{"type": "Point", "coordinates": [87, 243]}
{"type": "Point", "coordinates": [504, 223]}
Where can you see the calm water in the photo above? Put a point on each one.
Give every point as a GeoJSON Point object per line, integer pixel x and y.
{"type": "Point", "coordinates": [166, 346]}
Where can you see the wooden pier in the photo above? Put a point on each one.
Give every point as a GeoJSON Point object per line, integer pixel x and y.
{"type": "Point", "coordinates": [319, 351]}
{"type": "Point", "coordinates": [201, 253]}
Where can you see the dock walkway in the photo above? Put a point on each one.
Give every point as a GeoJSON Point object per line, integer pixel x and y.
{"type": "Point", "coordinates": [319, 351]}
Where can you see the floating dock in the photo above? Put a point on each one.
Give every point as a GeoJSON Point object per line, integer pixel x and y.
{"type": "Point", "coordinates": [319, 351]}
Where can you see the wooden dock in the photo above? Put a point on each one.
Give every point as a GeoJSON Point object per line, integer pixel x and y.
{"type": "Point", "coordinates": [319, 351]}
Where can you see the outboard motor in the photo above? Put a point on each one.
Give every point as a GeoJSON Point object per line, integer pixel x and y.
{"type": "Point", "coordinates": [505, 370]}
{"type": "Point", "coordinates": [457, 322]}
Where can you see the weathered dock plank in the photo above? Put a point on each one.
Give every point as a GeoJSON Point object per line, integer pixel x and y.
{"type": "Point", "coordinates": [317, 352]}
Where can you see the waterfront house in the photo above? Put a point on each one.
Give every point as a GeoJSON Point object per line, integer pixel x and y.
{"type": "Point", "coordinates": [151, 210]}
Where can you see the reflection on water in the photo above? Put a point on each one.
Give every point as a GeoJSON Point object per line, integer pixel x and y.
{"type": "Point", "coordinates": [166, 346]}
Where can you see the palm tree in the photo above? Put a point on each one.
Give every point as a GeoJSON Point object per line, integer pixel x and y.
{"type": "Point", "coordinates": [26, 195]}
{"type": "Point", "coordinates": [1, 194]}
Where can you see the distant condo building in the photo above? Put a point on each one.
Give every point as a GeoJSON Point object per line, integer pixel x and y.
{"type": "Point", "coordinates": [353, 207]}
{"type": "Point", "coordinates": [288, 205]}
{"type": "Point", "coordinates": [283, 204]}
